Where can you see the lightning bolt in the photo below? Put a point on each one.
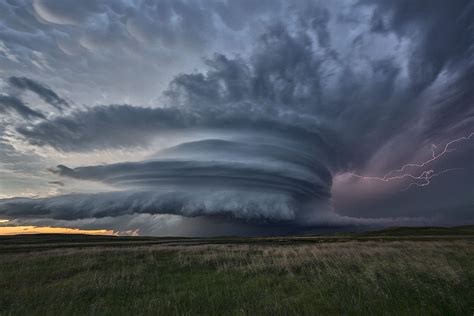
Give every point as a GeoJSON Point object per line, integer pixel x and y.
{"type": "Point", "coordinates": [424, 178]}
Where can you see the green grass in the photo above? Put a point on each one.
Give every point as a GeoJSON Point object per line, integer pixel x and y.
{"type": "Point", "coordinates": [434, 277]}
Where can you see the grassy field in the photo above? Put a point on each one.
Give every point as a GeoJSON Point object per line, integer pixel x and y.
{"type": "Point", "coordinates": [392, 272]}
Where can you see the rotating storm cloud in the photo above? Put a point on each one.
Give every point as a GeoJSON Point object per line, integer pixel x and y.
{"type": "Point", "coordinates": [299, 116]}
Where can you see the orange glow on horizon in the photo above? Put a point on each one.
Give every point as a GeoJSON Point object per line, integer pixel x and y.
{"type": "Point", "coordinates": [16, 230]}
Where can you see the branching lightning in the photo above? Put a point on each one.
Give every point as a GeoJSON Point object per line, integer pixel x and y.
{"type": "Point", "coordinates": [424, 178]}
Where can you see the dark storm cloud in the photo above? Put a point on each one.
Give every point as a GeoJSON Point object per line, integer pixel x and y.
{"type": "Point", "coordinates": [250, 206]}
{"type": "Point", "coordinates": [118, 126]}
{"type": "Point", "coordinates": [58, 183]}
{"type": "Point", "coordinates": [74, 44]}
{"type": "Point", "coordinates": [295, 153]}
{"type": "Point", "coordinates": [105, 127]}
{"type": "Point", "coordinates": [48, 95]}
{"type": "Point", "coordinates": [327, 91]}
{"type": "Point", "coordinates": [243, 166]}
{"type": "Point", "coordinates": [454, 110]}
{"type": "Point", "coordinates": [236, 179]}
{"type": "Point", "coordinates": [240, 179]}
{"type": "Point", "coordinates": [444, 32]}
{"type": "Point", "coordinates": [11, 103]}
{"type": "Point", "coordinates": [170, 22]}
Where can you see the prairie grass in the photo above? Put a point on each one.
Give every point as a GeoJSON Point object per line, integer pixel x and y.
{"type": "Point", "coordinates": [355, 278]}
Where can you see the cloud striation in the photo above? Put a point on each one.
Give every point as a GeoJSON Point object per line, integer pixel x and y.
{"type": "Point", "coordinates": [319, 95]}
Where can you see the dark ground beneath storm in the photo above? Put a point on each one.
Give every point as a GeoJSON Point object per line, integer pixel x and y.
{"type": "Point", "coordinates": [393, 271]}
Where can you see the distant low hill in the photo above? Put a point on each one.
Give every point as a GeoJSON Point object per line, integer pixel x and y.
{"type": "Point", "coordinates": [52, 241]}
{"type": "Point", "coordinates": [467, 230]}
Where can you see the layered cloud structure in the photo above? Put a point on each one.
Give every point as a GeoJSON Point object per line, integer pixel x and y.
{"type": "Point", "coordinates": [296, 130]}
{"type": "Point", "coordinates": [267, 179]}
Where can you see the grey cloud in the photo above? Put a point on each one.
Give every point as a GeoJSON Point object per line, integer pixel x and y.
{"type": "Point", "coordinates": [454, 110]}
{"type": "Point", "coordinates": [245, 180]}
{"type": "Point", "coordinates": [67, 12]}
{"type": "Point", "coordinates": [249, 206]}
{"type": "Point", "coordinates": [128, 213]}
{"type": "Point", "coordinates": [118, 126]}
{"type": "Point", "coordinates": [334, 87]}
{"type": "Point", "coordinates": [295, 153]}
{"type": "Point", "coordinates": [283, 85]}
{"type": "Point", "coordinates": [238, 179]}
{"type": "Point", "coordinates": [58, 183]}
{"type": "Point", "coordinates": [11, 103]}
{"type": "Point", "coordinates": [48, 95]}
{"type": "Point", "coordinates": [444, 32]}
{"type": "Point", "coordinates": [286, 81]}
{"type": "Point", "coordinates": [105, 127]}
{"type": "Point", "coordinates": [244, 166]}
{"type": "Point", "coordinates": [85, 45]}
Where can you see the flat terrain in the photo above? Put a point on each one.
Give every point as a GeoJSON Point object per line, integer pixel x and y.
{"type": "Point", "coordinates": [409, 271]}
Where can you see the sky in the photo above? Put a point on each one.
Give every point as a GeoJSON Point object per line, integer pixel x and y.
{"type": "Point", "coordinates": [213, 117]}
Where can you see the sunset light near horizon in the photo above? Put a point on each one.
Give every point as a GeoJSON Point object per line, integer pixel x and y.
{"type": "Point", "coordinates": [17, 230]}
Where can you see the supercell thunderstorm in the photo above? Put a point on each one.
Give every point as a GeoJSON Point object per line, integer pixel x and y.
{"type": "Point", "coordinates": [291, 133]}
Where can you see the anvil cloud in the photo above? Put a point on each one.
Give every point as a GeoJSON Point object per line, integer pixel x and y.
{"type": "Point", "coordinates": [262, 135]}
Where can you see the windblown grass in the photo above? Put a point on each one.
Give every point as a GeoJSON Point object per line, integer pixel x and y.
{"type": "Point", "coordinates": [357, 278]}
